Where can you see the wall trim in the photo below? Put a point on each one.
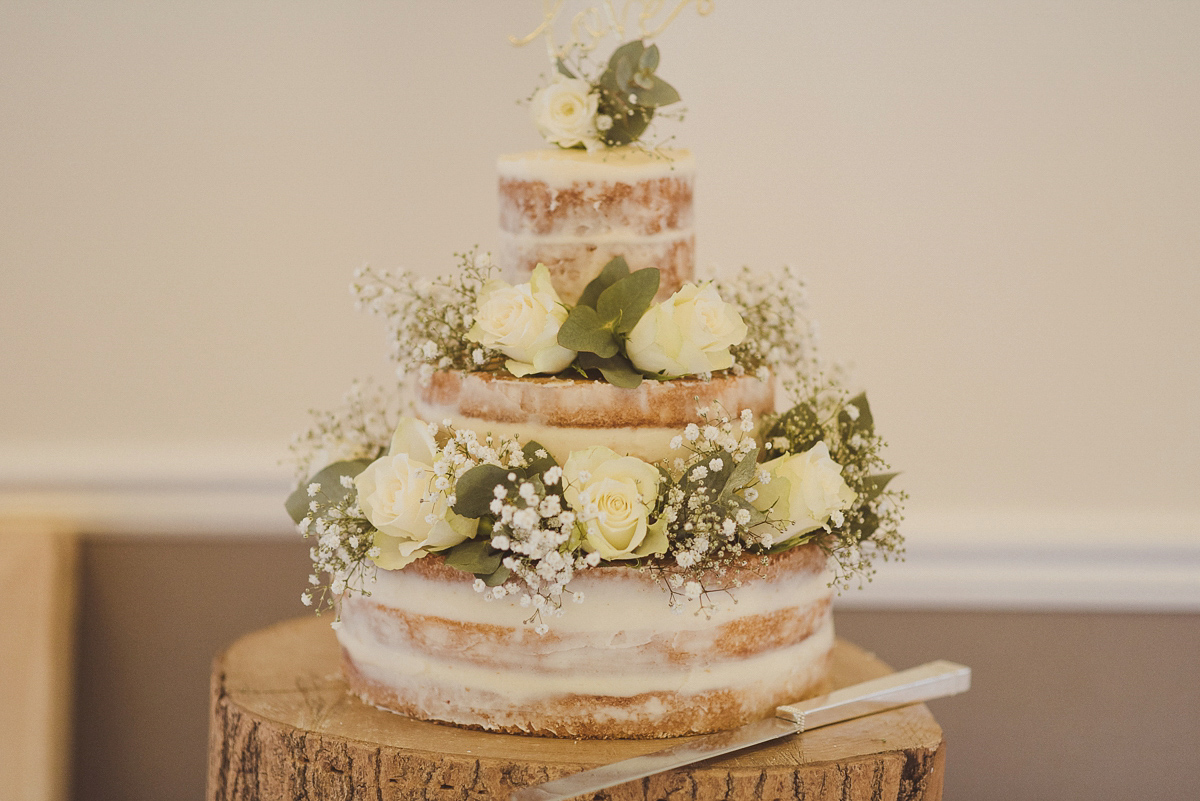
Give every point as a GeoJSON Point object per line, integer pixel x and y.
{"type": "Point", "coordinates": [1051, 560]}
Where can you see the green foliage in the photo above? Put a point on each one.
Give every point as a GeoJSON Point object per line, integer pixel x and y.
{"type": "Point", "coordinates": [865, 424]}
{"type": "Point", "coordinates": [614, 271]}
{"type": "Point", "coordinates": [331, 494]}
{"type": "Point", "coordinates": [479, 558]}
{"type": "Point", "coordinates": [627, 300]}
{"type": "Point", "coordinates": [873, 486]}
{"type": "Point", "coordinates": [611, 305]}
{"type": "Point", "coordinates": [537, 465]}
{"type": "Point", "coordinates": [617, 370]}
{"type": "Point", "coordinates": [799, 425]}
{"type": "Point", "coordinates": [734, 475]}
{"type": "Point", "coordinates": [743, 473]}
{"type": "Point", "coordinates": [476, 488]}
{"type": "Point", "coordinates": [585, 331]}
{"type": "Point", "coordinates": [630, 92]}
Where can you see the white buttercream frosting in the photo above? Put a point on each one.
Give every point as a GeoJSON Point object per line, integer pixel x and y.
{"type": "Point", "coordinates": [396, 668]}
{"type": "Point", "coordinates": [562, 168]}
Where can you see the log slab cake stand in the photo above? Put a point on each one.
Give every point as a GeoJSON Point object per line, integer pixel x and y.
{"type": "Point", "coordinates": [283, 726]}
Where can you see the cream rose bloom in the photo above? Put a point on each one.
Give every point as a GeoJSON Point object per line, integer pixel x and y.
{"type": "Point", "coordinates": [565, 113]}
{"type": "Point", "coordinates": [805, 489]}
{"type": "Point", "coordinates": [393, 493]}
{"type": "Point", "coordinates": [689, 333]}
{"type": "Point", "coordinates": [616, 495]}
{"type": "Point", "coordinates": [522, 322]}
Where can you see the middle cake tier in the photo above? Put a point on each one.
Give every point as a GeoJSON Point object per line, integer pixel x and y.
{"type": "Point", "coordinates": [571, 414]}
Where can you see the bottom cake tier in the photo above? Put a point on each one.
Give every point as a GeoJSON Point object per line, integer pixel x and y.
{"type": "Point", "coordinates": [621, 664]}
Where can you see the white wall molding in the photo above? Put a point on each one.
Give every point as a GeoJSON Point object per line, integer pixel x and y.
{"type": "Point", "coordinates": [1042, 560]}
{"type": "Point", "coordinates": [967, 559]}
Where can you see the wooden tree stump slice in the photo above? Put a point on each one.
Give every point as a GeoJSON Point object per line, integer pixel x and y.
{"type": "Point", "coordinates": [283, 726]}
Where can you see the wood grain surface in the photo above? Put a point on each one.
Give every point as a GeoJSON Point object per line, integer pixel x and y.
{"type": "Point", "coordinates": [283, 726]}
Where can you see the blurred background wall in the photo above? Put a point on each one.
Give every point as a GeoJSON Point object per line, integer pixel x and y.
{"type": "Point", "coordinates": [997, 207]}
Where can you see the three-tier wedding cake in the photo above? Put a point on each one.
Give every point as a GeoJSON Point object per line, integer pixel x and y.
{"type": "Point", "coordinates": [607, 500]}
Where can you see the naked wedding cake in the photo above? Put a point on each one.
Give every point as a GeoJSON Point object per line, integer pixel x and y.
{"type": "Point", "coordinates": [607, 500]}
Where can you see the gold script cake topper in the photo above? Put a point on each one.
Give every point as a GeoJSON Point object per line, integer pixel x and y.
{"type": "Point", "coordinates": [591, 25]}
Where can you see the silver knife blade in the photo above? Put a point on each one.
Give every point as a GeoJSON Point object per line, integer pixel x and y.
{"type": "Point", "coordinates": [926, 682]}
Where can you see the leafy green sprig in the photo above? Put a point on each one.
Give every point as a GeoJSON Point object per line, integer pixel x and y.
{"type": "Point", "coordinates": [609, 308]}
{"type": "Point", "coordinates": [630, 92]}
{"type": "Point", "coordinates": [870, 528]}
{"type": "Point", "coordinates": [325, 508]}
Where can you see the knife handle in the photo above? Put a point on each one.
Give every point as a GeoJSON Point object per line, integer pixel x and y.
{"type": "Point", "coordinates": [922, 683]}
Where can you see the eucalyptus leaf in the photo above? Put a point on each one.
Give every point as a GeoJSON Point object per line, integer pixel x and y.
{"type": "Point", "coordinates": [737, 502]}
{"type": "Point", "coordinates": [576, 538]}
{"type": "Point", "coordinates": [627, 300]}
{"type": "Point", "coordinates": [584, 331]}
{"type": "Point", "coordinates": [496, 577]}
{"type": "Point", "coordinates": [628, 125]}
{"type": "Point", "coordinates": [714, 481]}
{"type": "Point", "coordinates": [648, 61]}
{"type": "Point", "coordinates": [793, 542]}
{"type": "Point", "coordinates": [473, 556]}
{"type": "Point", "coordinates": [800, 418]}
{"type": "Point", "coordinates": [657, 94]}
{"type": "Point", "coordinates": [614, 271]}
{"type": "Point", "coordinates": [617, 369]}
{"type": "Point", "coordinates": [623, 73]}
{"type": "Point", "coordinates": [873, 486]}
{"type": "Point", "coordinates": [865, 424]}
{"type": "Point", "coordinates": [537, 465]}
{"type": "Point", "coordinates": [562, 68]}
{"type": "Point", "coordinates": [742, 474]}
{"type": "Point", "coordinates": [332, 492]}
{"type": "Point", "coordinates": [476, 489]}
{"type": "Point", "coordinates": [870, 524]}
{"type": "Point", "coordinates": [624, 62]}
{"type": "Point", "coordinates": [607, 84]}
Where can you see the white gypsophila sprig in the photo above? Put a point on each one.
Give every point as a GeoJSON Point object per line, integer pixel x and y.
{"type": "Point", "coordinates": [711, 524]}
{"type": "Point", "coordinates": [530, 523]}
{"type": "Point", "coordinates": [428, 319]}
{"type": "Point", "coordinates": [359, 429]}
{"type": "Point", "coordinates": [781, 335]}
{"type": "Point", "coordinates": [343, 551]}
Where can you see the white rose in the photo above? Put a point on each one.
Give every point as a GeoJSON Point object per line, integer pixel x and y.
{"type": "Point", "coordinates": [621, 491]}
{"type": "Point", "coordinates": [565, 113]}
{"type": "Point", "coordinates": [689, 333]}
{"type": "Point", "coordinates": [805, 489]}
{"type": "Point", "coordinates": [396, 494]}
{"type": "Point", "coordinates": [522, 322]}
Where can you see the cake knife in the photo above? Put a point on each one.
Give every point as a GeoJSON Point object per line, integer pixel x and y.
{"type": "Point", "coordinates": [923, 683]}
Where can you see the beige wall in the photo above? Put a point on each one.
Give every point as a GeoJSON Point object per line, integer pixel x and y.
{"type": "Point", "coordinates": [997, 205]}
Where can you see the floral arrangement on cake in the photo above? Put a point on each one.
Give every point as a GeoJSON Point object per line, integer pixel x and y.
{"type": "Point", "coordinates": [611, 110]}
{"type": "Point", "coordinates": [616, 104]}
{"type": "Point", "coordinates": [388, 489]}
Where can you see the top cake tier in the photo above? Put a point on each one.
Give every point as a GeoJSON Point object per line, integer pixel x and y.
{"type": "Point", "coordinates": [574, 211]}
